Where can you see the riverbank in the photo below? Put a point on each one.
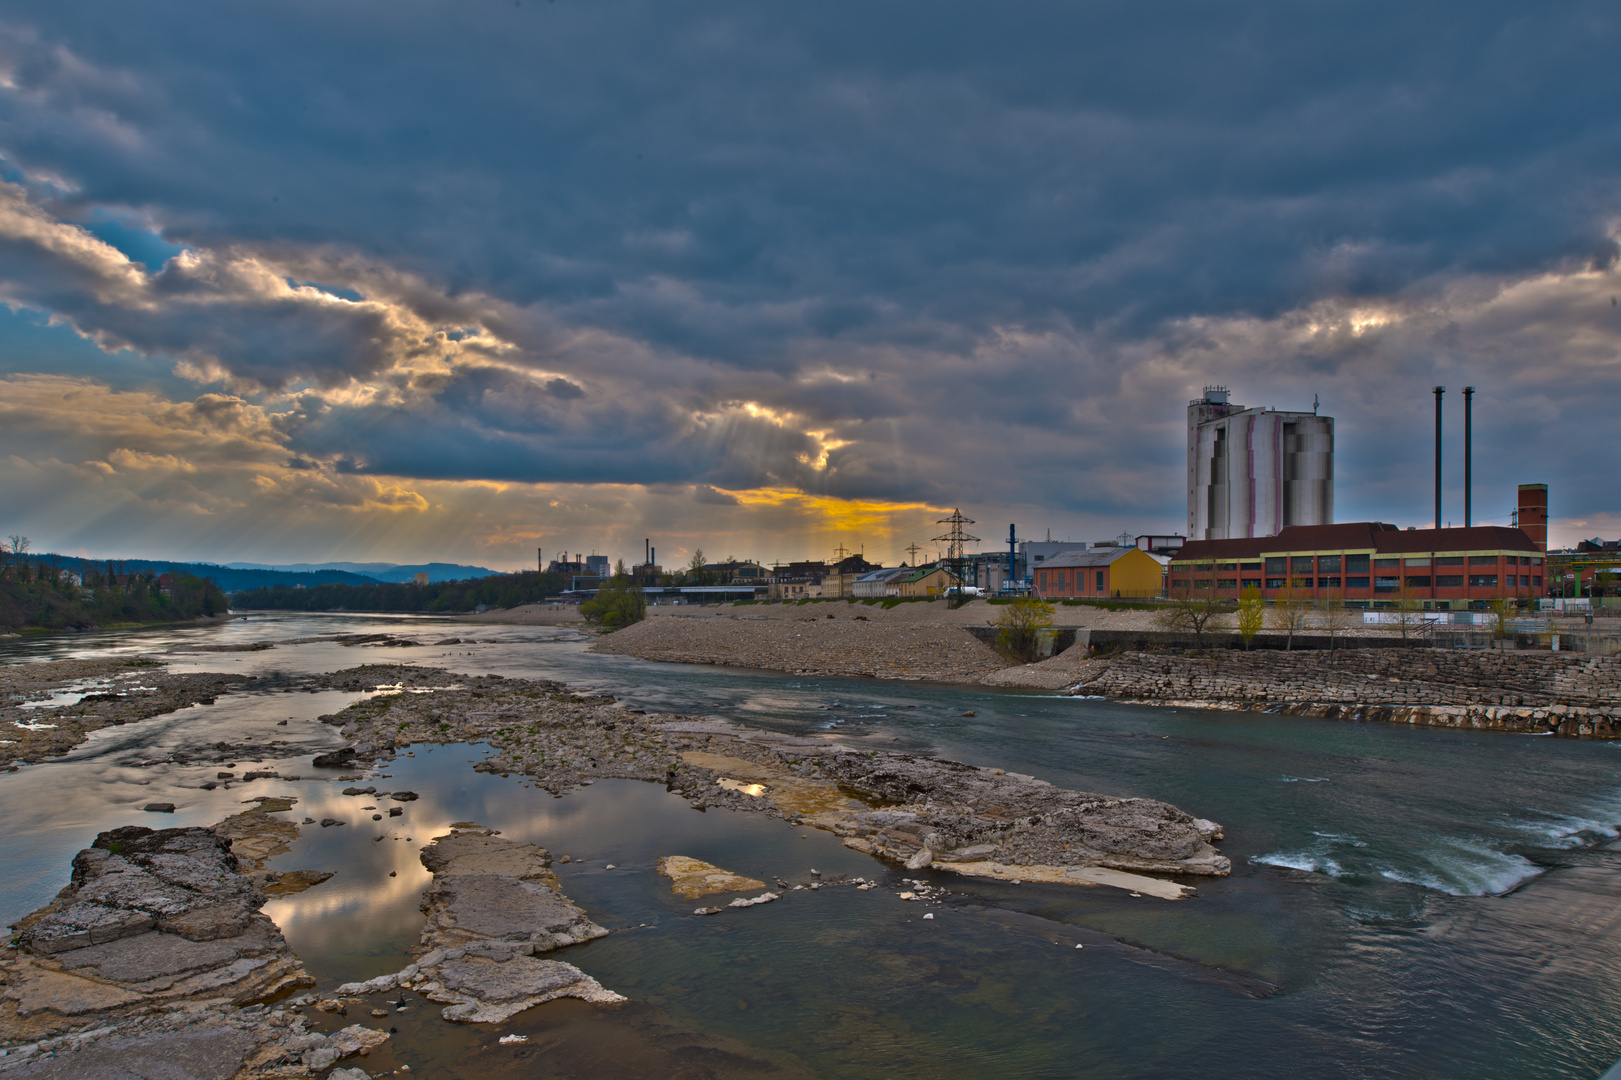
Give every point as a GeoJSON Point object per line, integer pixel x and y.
{"type": "Point", "coordinates": [848, 643]}
{"type": "Point", "coordinates": [1561, 693]}
{"type": "Point", "coordinates": [155, 960]}
{"type": "Point", "coordinates": [1379, 871]}
{"type": "Point", "coordinates": [156, 950]}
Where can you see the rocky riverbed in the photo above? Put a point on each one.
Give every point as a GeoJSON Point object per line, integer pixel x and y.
{"type": "Point", "coordinates": [156, 961]}
{"type": "Point", "coordinates": [156, 955]}
{"type": "Point", "coordinates": [49, 708]}
{"type": "Point", "coordinates": [494, 907]}
{"type": "Point", "coordinates": [907, 808]}
{"type": "Point", "coordinates": [1564, 693]}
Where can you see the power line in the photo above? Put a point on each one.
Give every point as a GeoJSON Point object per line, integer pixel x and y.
{"type": "Point", "coordinates": [955, 538]}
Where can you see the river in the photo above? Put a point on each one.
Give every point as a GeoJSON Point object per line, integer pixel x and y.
{"type": "Point", "coordinates": [1404, 902]}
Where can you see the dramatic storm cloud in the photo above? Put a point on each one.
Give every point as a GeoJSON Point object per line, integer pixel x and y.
{"type": "Point", "coordinates": [411, 279]}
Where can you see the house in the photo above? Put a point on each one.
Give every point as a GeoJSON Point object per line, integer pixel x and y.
{"type": "Point", "coordinates": [923, 582]}
{"type": "Point", "coordinates": [840, 582]}
{"type": "Point", "coordinates": [1367, 564]}
{"type": "Point", "coordinates": [877, 583]}
{"type": "Point", "coordinates": [1099, 572]}
{"type": "Point", "coordinates": [798, 580]}
{"type": "Point", "coordinates": [732, 572]}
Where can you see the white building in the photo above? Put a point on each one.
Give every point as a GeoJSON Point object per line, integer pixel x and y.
{"type": "Point", "coordinates": [879, 582]}
{"type": "Point", "coordinates": [1253, 471]}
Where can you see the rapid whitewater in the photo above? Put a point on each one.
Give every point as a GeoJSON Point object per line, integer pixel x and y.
{"type": "Point", "coordinates": [1386, 881]}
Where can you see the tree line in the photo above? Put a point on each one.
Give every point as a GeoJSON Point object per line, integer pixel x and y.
{"type": "Point", "coordinates": [503, 590]}
{"type": "Point", "coordinates": [38, 594]}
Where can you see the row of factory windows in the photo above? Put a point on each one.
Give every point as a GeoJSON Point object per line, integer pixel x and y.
{"type": "Point", "coordinates": [1380, 584]}
{"type": "Point", "coordinates": [1332, 564]}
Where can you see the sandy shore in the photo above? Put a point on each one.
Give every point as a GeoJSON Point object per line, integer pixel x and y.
{"type": "Point", "coordinates": [530, 615]}
{"type": "Point", "coordinates": [825, 646]}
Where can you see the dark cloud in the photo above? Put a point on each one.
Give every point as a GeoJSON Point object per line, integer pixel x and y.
{"type": "Point", "coordinates": [905, 251]}
{"type": "Point", "coordinates": [709, 496]}
{"type": "Point", "coordinates": [563, 390]}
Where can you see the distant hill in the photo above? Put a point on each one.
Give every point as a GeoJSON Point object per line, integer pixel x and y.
{"type": "Point", "coordinates": [236, 577]}
{"type": "Point", "coordinates": [436, 571]}
{"type": "Point", "coordinates": [497, 590]}
{"type": "Point", "coordinates": [228, 579]}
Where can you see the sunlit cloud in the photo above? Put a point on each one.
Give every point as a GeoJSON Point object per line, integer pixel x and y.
{"type": "Point", "coordinates": [771, 284]}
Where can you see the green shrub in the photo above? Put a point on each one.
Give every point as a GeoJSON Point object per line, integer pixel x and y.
{"type": "Point", "coordinates": [619, 602]}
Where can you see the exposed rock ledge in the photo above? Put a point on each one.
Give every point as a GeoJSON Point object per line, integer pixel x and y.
{"type": "Point", "coordinates": [901, 806]}
{"type": "Point", "coordinates": [155, 961]}
{"type": "Point", "coordinates": [492, 906]}
{"type": "Point", "coordinates": [963, 818]}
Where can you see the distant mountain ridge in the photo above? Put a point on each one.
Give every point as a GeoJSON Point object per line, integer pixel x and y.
{"type": "Point", "coordinates": [378, 571]}
{"type": "Point", "coordinates": [238, 576]}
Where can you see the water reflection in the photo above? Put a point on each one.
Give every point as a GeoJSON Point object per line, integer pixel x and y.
{"type": "Point", "coordinates": [1364, 855]}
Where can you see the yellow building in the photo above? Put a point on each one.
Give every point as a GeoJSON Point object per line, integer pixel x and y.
{"type": "Point", "coordinates": [1100, 572]}
{"type": "Point", "coordinates": [929, 581]}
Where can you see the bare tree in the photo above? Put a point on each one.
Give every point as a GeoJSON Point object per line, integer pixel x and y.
{"type": "Point", "coordinates": [1503, 609]}
{"type": "Point", "coordinates": [1407, 614]}
{"type": "Point", "coordinates": [1194, 605]}
{"type": "Point", "coordinates": [17, 565]}
{"type": "Point", "coordinates": [1335, 615]}
{"type": "Point", "coordinates": [1291, 606]}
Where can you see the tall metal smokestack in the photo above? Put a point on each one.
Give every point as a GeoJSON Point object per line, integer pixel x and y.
{"type": "Point", "coordinates": [1012, 552]}
{"type": "Point", "coordinates": [1439, 390]}
{"type": "Point", "coordinates": [1468, 455]}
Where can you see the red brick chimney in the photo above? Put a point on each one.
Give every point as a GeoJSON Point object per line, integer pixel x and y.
{"type": "Point", "coordinates": [1533, 514]}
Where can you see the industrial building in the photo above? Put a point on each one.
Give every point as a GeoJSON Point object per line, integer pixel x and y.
{"type": "Point", "coordinates": [1531, 515]}
{"type": "Point", "coordinates": [1111, 571]}
{"type": "Point", "coordinates": [1255, 472]}
{"type": "Point", "coordinates": [1591, 570]}
{"type": "Point", "coordinates": [1367, 564]}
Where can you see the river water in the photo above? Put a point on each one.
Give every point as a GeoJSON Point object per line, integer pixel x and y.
{"type": "Point", "coordinates": [1404, 903]}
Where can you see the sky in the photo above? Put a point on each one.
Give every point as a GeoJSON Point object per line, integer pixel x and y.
{"type": "Point", "coordinates": [413, 280]}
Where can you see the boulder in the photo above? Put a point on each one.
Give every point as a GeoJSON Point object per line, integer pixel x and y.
{"type": "Point", "coordinates": [134, 879]}
{"type": "Point", "coordinates": [694, 878]}
{"type": "Point", "coordinates": [485, 991]}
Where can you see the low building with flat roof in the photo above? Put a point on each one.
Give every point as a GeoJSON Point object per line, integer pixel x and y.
{"type": "Point", "coordinates": [1367, 564]}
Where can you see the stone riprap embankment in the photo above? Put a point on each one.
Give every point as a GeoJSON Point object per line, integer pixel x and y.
{"type": "Point", "coordinates": [494, 905]}
{"type": "Point", "coordinates": [899, 806]}
{"type": "Point", "coordinates": [1570, 694]}
{"type": "Point", "coordinates": [813, 644]}
{"type": "Point", "coordinates": [155, 961]}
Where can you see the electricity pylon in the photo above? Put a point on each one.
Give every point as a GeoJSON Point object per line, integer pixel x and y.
{"type": "Point", "coordinates": [954, 540]}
